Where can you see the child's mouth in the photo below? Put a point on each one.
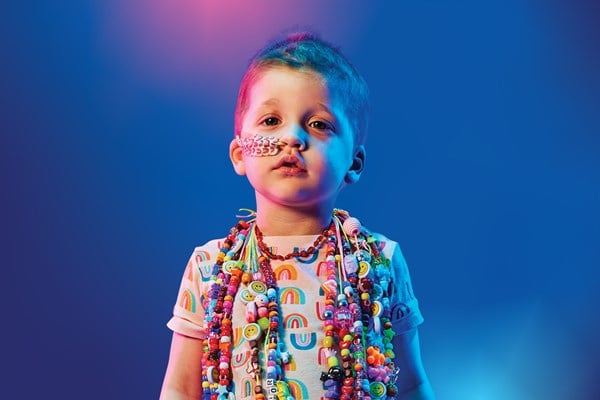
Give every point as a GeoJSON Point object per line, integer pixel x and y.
{"type": "Point", "coordinates": [291, 165]}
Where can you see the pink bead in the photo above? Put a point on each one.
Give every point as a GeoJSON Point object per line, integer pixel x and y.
{"type": "Point", "coordinates": [352, 226]}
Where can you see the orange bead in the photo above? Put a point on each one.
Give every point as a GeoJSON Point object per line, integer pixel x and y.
{"type": "Point", "coordinates": [246, 278]}
{"type": "Point", "coordinates": [236, 272]}
{"type": "Point", "coordinates": [225, 347]}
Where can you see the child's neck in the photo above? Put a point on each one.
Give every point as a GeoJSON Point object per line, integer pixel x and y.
{"type": "Point", "coordinates": [276, 220]}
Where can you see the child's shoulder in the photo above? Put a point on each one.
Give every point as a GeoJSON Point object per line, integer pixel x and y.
{"type": "Point", "coordinates": [201, 262]}
{"type": "Point", "coordinates": [212, 246]}
{"type": "Point", "coordinates": [384, 244]}
{"type": "Point", "coordinates": [204, 256]}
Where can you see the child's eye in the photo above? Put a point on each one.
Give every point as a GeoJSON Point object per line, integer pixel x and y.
{"type": "Point", "coordinates": [321, 125]}
{"type": "Point", "coordinates": [270, 121]}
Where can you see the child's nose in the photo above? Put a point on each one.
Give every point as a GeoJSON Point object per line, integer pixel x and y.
{"type": "Point", "coordinates": [296, 137]}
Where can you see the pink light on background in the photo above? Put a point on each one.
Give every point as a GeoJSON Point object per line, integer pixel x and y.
{"type": "Point", "coordinates": [186, 41]}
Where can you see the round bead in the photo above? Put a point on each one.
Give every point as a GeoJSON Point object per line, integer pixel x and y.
{"type": "Point", "coordinates": [351, 226]}
{"type": "Point", "coordinates": [263, 322]}
{"type": "Point", "coordinates": [246, 278]}
{"type": "Point", "coordinates": [332, 361]}
{"type": "Point", "coordinates": [377, 390]}
{"type": "Point", "coordinates": [252, 331]}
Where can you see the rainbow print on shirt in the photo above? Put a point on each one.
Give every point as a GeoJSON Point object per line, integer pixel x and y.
{"type": "Point", "coordinates": [303, 341]}
{"type": "Point", "coordinates": [295, 321]}
{"type": "Point", "coordinates": [204, 263]}
{"type": "Point", "coordinates": [297, 389]}
{"type": "Point", "coordinates": [291, 295]}
{"type": "Point", "coordinates": [307, 260]}
{"type": "Point", "coordinates": [240, 359]}
{"type": "Point", "coordinates": [286, 272]}
{"type": "Point", "coordinates": [187, 301]}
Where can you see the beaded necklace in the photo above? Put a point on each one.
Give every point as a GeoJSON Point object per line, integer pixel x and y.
{"type": "Point", "coordinates": [356, 316]}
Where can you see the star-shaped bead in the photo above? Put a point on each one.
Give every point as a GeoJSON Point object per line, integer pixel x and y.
{"type": "Point", "coordinates": [222, 389]}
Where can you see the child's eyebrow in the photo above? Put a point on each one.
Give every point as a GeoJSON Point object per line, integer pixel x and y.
{"type": "Point", "coordinates": [326, 107]}
{"type": "Point", "coordinates": [270, 102]}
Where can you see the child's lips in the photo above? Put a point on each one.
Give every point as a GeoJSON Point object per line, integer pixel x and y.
{"type": "Point", "coordinates": [290, 164]}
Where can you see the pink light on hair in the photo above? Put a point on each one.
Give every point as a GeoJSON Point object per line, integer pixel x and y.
{"type": "Point", "coordinates": [178, 42]}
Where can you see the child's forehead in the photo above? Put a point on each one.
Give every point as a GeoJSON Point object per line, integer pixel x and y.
{"type": "Point", "coordinates": [276, 72]}
{"type": "Point", "coordinates": [273, 77]}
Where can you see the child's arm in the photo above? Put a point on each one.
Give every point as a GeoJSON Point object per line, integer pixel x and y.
{"type": "Point", "coordinates": [182, 379]}
{"type": "Point", "coordinates": [412, 380]}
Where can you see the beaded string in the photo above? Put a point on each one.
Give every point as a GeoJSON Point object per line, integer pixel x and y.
{"type": "Point", "coordinates": [355, 318]}
{"type": "Point", "coordinates": [301, 253]}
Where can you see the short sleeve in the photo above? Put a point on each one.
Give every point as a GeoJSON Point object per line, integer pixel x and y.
{"type": "Point", "coordinates": [188, 312]}
{"type": "Point", "coordinates": [405, 312]}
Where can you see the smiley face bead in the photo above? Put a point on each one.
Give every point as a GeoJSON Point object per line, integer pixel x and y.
{"type": "Point", "coordinates": [251, 331]}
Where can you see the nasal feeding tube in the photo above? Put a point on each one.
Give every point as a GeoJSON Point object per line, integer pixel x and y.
{"type": "Point", "coordinates": [260, 146]}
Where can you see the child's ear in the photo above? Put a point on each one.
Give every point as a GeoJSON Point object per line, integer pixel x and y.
{"type": "Point", "coordinates": [358, 164]}
{"type": "Point", "coordinates": [237, 158]}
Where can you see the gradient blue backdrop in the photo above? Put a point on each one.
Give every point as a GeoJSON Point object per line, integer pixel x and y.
{"type": "Point", "coordinates": [483, 162]}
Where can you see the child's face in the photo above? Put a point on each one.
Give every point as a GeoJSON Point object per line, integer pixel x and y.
{"type": "Point", "coordinates": [318, 156]}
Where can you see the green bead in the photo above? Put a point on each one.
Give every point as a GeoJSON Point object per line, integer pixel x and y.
{"type": "Point", "coordinates": [263, 323]}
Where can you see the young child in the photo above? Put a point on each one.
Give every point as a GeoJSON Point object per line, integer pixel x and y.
{"type": "Point", "coordinates": [299, 301]}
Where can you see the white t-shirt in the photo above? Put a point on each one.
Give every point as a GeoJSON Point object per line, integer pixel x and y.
{"type": "Point", "coordinates": [301, 302]}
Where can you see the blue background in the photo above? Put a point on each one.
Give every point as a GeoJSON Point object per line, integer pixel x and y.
{"type": "Point", "coordinates": [483, 162]}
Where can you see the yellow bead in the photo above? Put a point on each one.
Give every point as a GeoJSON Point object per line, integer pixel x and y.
{"type": "Point", "coordinates": [327, 341]}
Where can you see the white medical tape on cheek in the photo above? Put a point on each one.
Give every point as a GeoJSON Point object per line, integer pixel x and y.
{"type": "Point", "coordinates": [260, 146]}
